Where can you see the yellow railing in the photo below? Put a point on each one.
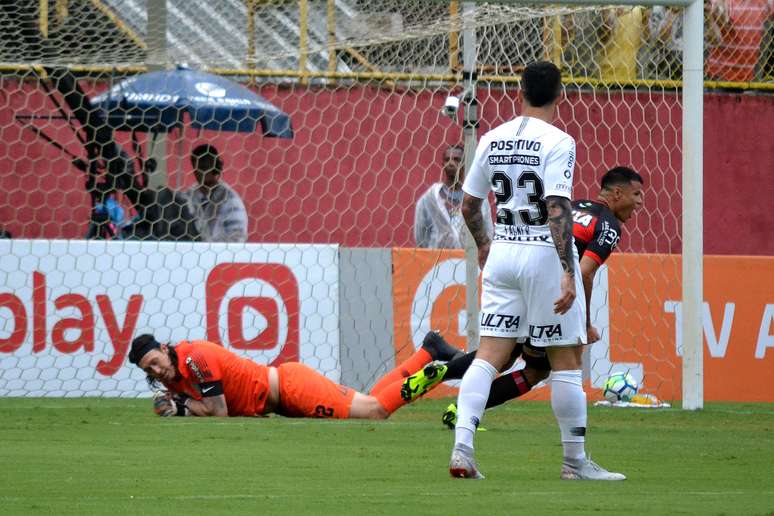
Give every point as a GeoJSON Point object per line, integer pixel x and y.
{"type": "Point", "coordinates": [303, 38]}
{"type": "Point", "coordinates": [43, 17]}
{"type": "Point", "coordinates": [551, 35]}
{"type": "Point", "coordinates": [61, 10]}
{"type": "Point", "coordinates": [420, 78]}
{"type": "Point", "coordinates": [330, 23]}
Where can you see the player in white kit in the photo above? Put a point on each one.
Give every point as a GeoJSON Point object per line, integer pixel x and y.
{"type": "Point", "coordinates": [532, 285]}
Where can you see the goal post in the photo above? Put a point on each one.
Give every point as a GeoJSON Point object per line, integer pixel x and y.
{"type": "Point", "coordinates": [470, 138]}
{"type": "Point", "coordinates": [693, 222]}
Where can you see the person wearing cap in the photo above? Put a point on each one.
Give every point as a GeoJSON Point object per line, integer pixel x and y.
{"type": "Point", "coordinates": [205, 379]}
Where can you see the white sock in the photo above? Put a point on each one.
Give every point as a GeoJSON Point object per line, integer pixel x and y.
{"type": "Point", "coordinates": [568, 400]}
{"type": "Point", "coordinates": [471, 401]}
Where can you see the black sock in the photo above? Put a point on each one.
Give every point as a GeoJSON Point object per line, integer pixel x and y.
{"type": "Point", "coordinates": [457, 367]}
{"type": "Point", "coordinates": [507, 387]}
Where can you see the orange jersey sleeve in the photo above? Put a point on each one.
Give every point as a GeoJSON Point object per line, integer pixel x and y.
{"type": "Point", "coordinates": [245, 383]}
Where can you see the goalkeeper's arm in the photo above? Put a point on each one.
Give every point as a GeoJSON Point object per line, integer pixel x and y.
{"type": "Point", "coordinates": [213, 401]}
{"type": "Point", "coordinates": [588, 270]}
{"type": "Point", "coordinates": [208, 406]}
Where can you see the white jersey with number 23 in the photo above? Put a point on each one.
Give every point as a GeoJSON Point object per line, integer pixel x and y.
{"type": "Point", "coordinates": [523, 161]}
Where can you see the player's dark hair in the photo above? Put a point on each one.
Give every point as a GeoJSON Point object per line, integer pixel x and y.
{"type": "Point", "coordinates": [617, 176]}
{"type": "Point", "coordinates": [140, 347]}
{"type": "Point", "coordinates": [541, 83]}
{"type": "Point", "coordinates": [207, 151]}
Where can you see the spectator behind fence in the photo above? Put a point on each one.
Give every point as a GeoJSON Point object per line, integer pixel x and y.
{"type": "Point", "coordinates": [437, 217]}
{"type": "Point", "coordinates": [219, 212]}
{"type": "Point", "coordinates": [661, 54]}
{"type": "Point", "coordinates": [735, 34]}
{"type": "Point", "coordinates": [4, 233]}
{"type": "Point", "coordinates": [618, 57]}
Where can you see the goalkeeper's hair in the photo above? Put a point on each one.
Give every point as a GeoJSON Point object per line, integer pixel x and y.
{"type": "Point", "coordinates": [541, 83]}
{"type": "Point", "coordinates": [140, 346]}
{"type": "Point", "coordinates": [618, 176]}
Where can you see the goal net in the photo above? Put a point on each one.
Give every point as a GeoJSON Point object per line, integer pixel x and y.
{"type": "Point", "coordinates": [112, 236]}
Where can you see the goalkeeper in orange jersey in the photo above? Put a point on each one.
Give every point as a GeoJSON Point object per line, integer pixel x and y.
{"type": "Point", "coordinates": [205, 379]}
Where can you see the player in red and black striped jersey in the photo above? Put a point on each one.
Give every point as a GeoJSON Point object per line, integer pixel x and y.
{"type": "Point", "coordinates": [597, 230]}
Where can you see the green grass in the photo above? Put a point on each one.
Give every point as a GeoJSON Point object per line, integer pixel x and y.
{"type": "Point", "coordinates": [109, 456]}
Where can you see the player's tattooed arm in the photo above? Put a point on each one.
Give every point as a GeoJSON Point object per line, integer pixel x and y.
{"type": "Point", "coordinates": [208, 406]}
{"type": "Point", "coordinates": [474, 219]}
{"type": "Point", "coordinates": [560, 224]}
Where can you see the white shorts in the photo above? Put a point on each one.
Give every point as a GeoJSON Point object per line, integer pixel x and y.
{"type": "Point", "coordinates": [520, 285]}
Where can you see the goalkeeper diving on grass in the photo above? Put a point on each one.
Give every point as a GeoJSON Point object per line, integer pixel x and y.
{"type": "Point", "coordinates": [596, 231]}
{"type": "Point", "coordinates": [201, 378]}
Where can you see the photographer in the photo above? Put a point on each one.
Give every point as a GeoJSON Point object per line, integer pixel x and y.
{"type": "Point", "coordinates": [162, 214]}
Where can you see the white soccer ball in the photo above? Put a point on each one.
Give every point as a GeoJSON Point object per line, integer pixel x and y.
{"type": "Point", "coordinates": [620, 387]}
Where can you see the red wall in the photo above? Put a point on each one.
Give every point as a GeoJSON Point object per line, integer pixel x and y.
{"type": "Point", "coordinates": [362, 156]}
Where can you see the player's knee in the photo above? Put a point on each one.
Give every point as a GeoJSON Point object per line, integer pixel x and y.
{"type": "Point", "coordinates": [497, 356]}
{"type": "Point", "coordinates": [375, 410]}
{"type": "Point", "coordinates": [564, 358]}
{"type": "Point", "coordinates": [367, 407]}
{"type": "Point", "coordinates": [379, 412]}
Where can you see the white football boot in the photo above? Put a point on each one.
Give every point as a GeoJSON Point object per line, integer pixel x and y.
{"type": "Point", "coordinates": [462, 463]}
{"type": "Point", "coordinates": [587, 469]}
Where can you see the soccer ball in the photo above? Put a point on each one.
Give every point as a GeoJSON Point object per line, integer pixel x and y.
{"type": "Point", "coordinates": [620, 387]}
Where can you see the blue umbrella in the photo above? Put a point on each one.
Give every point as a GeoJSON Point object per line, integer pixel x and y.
{"type": "Point", "coordinates": [157, 101]}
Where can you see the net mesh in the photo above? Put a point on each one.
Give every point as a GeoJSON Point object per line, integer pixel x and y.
{"type": "Point", "coordinates": [326, 269]}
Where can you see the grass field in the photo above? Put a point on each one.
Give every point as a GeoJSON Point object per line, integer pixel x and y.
{"type": "Point", "coordinates": [109, 456]}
